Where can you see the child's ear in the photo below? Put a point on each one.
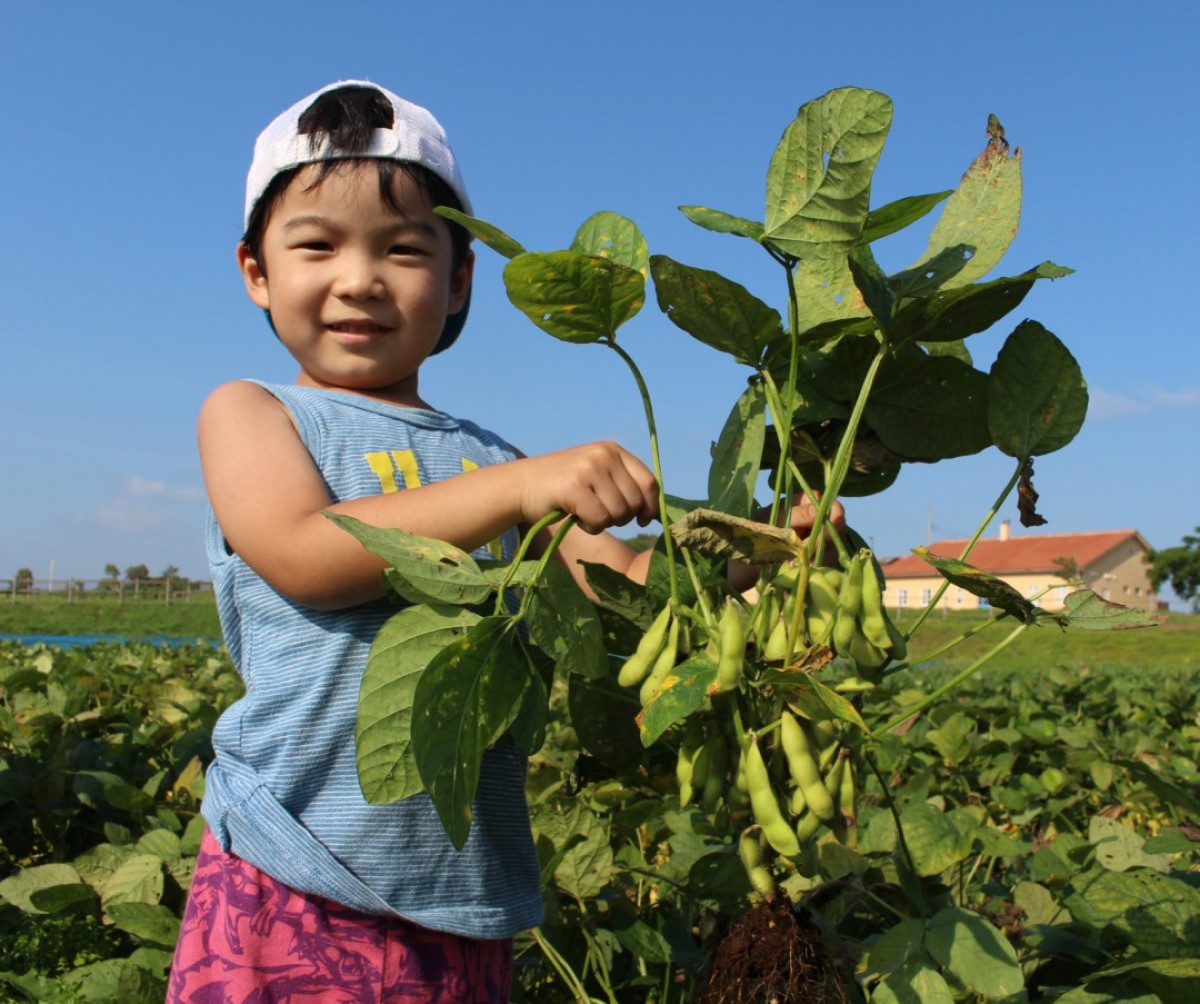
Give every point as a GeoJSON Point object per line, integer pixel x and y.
{"type": "Point", "coordinates": [254, 277]}
{"type": "Point", "coordinates": [460, 283]}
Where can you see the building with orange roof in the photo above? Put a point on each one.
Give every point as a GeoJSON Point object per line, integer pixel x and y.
{"type": "Point", "coordinates": [1112, 563]}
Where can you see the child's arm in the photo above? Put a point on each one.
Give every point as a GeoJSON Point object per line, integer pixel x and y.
{"type": "Point", "coordinates": [268, 495]}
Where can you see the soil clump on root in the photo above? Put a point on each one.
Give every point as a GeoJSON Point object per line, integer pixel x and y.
{"type": "Point", "coordinates": [772, 955]}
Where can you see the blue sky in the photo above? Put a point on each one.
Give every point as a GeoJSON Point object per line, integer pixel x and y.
{"type": "Point", "coordinates": [129, 132]}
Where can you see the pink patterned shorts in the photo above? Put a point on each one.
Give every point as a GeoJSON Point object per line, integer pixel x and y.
{"type": "Point", "coordinates": [247, 939]}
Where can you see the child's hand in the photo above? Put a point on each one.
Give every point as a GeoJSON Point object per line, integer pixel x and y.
{"type": "Point", "coordinates": [804, 514]}
{"type": "Point", "coordinates": [601, 484]}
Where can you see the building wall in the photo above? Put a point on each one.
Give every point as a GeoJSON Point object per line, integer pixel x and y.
{"type": "Point", "coordinates": [1120, 576]}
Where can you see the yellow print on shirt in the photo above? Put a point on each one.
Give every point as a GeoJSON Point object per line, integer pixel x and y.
{"type": "Point", "coordinates": [386, 464]}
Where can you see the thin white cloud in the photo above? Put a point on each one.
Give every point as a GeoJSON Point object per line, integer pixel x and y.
{"type": "Point", "coordinates": [140, 487]}
{"type": "Point", "coordinates": [1147, 398]}
{"type": "Point", "coordinates": [1103, 404]}
{"type": "Point", "coordinates": [1188, 398]}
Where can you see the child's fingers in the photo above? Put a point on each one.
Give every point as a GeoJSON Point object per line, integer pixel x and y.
{"type": "Point", "coordinates": [609, 487]}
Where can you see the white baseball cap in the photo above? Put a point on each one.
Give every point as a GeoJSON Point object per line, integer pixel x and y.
{"type": "Point", "coordinates": [415, 137]}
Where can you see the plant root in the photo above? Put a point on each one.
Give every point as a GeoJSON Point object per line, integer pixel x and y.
{"type": "Point", "coordinates": [772, 955]}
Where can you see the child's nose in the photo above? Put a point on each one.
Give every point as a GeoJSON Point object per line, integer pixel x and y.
{"type": "Point", "coordinates": [359, 278]}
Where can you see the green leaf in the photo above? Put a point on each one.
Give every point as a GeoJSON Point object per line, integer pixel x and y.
{"type": "Point", "coordinates": [737, 456]}
{"type": "Point", "coordinates": [896, 946]}
{"type": "Point", "coordinates": [825, 293]}
{"type": "Point", "coordinates": [819, 178]}
{"type": "Point", "coordinates": [933, 840]}
{"type": "Point", "coordinates": [493, 237]}
{"type": "Point", "coordinates": [574, 297]}
{"type": "Point", "coordinates": [1119, 849]}
{"type": "Point", "coordinates": [60, 897]}
{"type": "Point", "coordinates": [424, 570]}
{"type": "Point", "coordinates": [620, 594]}
{"type": "Point", "coordinates": [1171, 842]}
{"type": "Point", "coordinates": [564, 625]}
{"type": "Point", "coordinates": [1037, 395]}
{"type": "Point", "coordinates": [930, 408]}
{"type": "Point", "coordinates": [610, 235]}
{"type": "Point", "coordinates": [718, 875]}
{"type": "Point", "coordinates": [977, 582]}
{"type": "Point", "coordinates": [980, 218]}
{"type": "Point", "coordinates": [838, 706]}
{"type": "Point", "coordinates": [528, 727]}
{"type": "Point", "coordinates": [723, 223]}
{"type": "Point", "coordinates": [150, 923]}
{"type": "Point", "coordinates": [584, 865]}
{"type": "Point", "coordinates": [467, 697]}
{"type": "Point", "coordinates": [714, 310]}
{"type": "Point", "coordinates": [915, 982]}
{"type": "Point", "coordinates": [1171, 794]}
{"type": "Point", "coordinates": [950, 315]}
{"type": "Point", "coordinates": [639, 938]}
{"type": "Point", "coordinates": [895, 216]}
{"type": "Point", "coordinates": [139, 879]}
{"type": "Point", "coordinates": [872, 285]}
{"type": "Point", "coordinates": [1084, 609]}
{"type": "Point", "coordinates": [402, 649]}
{"type": "Point", "coordinates": [975, 952]}
{"type": "Point", "coordinates": [19, 888]}
{"type": "Point", "coordinates": [602, 715]}
{"type": "Point", "coordinates": [1156, 913]}
{"type": "Point", "coordinates": [683, 691]}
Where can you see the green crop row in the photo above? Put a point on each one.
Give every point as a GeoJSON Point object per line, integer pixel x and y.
{"type": "Point", "coordinates": [1053, 812]}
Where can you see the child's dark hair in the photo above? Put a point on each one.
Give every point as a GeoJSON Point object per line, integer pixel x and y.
{"type": "Point", "coordinates": [346, 117]}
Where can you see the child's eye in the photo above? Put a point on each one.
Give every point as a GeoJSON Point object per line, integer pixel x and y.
{"type": "Point", "coordinates": [316, 246]}
{"type": "Point", "coordinates": [403, 249]}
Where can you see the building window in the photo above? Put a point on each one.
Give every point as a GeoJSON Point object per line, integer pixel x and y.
{"type": "Point", "coordinates": [1104, 593]}
{"type": "Point", "coordinates": [1032, 592]}
{"type": "Point", "coordinates": [902, 598]}
{"type": "Point", "coordinates": [958, 597]}
{"type": "Point", "coordinates": [926, 596]}
{"type": "Point", "coordinates": [983, 603]}
{"type": "Point", "coordinates": [1061, 594]}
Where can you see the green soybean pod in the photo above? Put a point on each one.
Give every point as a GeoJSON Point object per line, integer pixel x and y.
{"type": "Point", "coordinates": [733, 647]}
{"type": "Point", "coordinates": [765, 806]}
{"type": "Point", "coordinates": [849, 605]}
{"type": "Point", "coordinates": [807, 826]}
{"type": "Point", "coordinates": [685, 765]}
{"type": "Point", "coordinates": [873, 616]}
{"type": "Point", "coordinates": [642, 661]}
{"type": "Point", "coordinates": [663, 664]}
{"type": "Point", "coordinates": [803, 767]}
{"type": "Point", "coordinates": [750, 853]}
{"type": "Point", "coordinates": [718, 767]}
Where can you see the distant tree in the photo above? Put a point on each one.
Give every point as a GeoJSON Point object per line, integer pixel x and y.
{"type": "Point", "coordinates": [1180, 566]}
{"type": "Point", "coordinates": [170, 572]}
{"type": "Point", "coordinates": [111, 571]}
{"type": "Point", "coordinates": [137, 573]}
{"type": "Point", "coordinates": [641, 541]}
{"type": "Point", "coordinates": [24, 579]}
{"type": "Point", "coordinates": [1068, 568]}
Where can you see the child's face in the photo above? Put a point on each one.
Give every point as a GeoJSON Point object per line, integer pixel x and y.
{"type": "Point", "coordinates": [358, 293]}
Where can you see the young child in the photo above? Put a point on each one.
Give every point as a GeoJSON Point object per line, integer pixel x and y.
{"type": "Point", "coordinates": [303, 890]}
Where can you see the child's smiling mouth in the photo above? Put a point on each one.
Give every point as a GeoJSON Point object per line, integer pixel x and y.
{"type": "Point", "coordinates": [358, 328]}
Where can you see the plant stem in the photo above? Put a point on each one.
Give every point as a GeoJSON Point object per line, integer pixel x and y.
{"type": "Point", "coordinates": [946, 646]}
{"type": "Point", "coordinates": [563, 968]}
{"type": "Point", "coordinates": [655, 459]}
{"type": "Point", "coordinates": [841, 462]}
{"type": "Point", "coordinates": [943, 690]}
{"type": "Point", "coordinates": [987, 519]}
{"type": "Point", "coordinates": [546, 556]}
